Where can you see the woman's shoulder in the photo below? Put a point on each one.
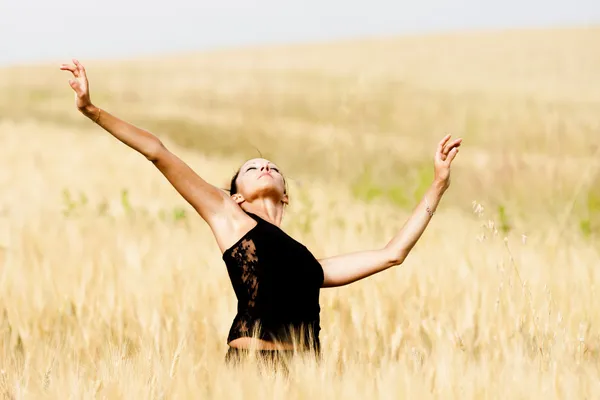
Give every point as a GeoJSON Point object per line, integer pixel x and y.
{"type": "Point", "coordinates": [257, 232]}
{"type": "Point", "coordinates": [229, 232]}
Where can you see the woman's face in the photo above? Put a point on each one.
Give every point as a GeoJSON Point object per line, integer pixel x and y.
{"type": "Point", "coordinates": [259, 178]}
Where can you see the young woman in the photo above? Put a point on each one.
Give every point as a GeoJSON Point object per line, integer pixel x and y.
{"type": "Point", "coordinates": [275, 278]}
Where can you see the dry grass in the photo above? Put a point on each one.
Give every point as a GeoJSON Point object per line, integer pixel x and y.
{"type": "Point", "coordinates": [112, 288]}
{"type": "Point", "coordinates": [526, 103]}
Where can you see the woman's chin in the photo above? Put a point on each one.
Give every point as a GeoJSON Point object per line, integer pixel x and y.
{"type": "Point", "coordinates": [268, 191]}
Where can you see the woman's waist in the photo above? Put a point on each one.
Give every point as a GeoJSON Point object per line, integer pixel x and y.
{"type": "Point", "coordinates": [269, 333]}
{"type": "Point", "coordinates": [248, 343]}
{"type": "Point", "coordinates": [272, 323]}
{"type": "Point", "coordinates": [255, 343]}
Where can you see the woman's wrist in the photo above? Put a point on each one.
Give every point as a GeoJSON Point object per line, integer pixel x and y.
{"type": "Point", "coordinates": [90, 111]}
{"type": "Point", "coordinates": [440, 185]}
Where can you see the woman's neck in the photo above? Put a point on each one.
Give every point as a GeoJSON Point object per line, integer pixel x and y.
{"type": "Point", "coordinates": [266, 209]}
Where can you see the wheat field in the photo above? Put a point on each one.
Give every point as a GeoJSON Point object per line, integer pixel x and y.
{"type": "Point", "coordinates": [111, 286]}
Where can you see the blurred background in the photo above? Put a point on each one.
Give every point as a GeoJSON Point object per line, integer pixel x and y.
{"type": "Point", "coordinates": [60, 29]}
{"type": "Point", "coordinates": [345, 81]}
{"type": "Point", "coordinates": [103, 261]}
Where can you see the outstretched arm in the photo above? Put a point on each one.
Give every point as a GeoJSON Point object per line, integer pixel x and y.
{"type": "Point", "coordinates": [210, 202]}
{"type": "Point", "coordinates": [138, 139]}
{"type": "Point", "coordinates": [348, 268]}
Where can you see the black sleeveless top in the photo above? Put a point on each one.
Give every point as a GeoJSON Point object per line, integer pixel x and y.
{"type": "Point", "coordinates": [277, 282]}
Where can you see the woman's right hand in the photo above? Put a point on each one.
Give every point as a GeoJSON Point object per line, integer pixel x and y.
{"type": "Point", "coordinates": [80, 85]}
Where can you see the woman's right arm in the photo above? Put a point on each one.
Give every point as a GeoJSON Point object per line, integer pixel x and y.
{"type": "Point", "coordinates": [213, 205]}
{"type": "Point", "coordinates": [209, 201]}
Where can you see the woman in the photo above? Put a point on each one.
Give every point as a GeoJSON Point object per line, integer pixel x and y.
{"type": "Point", "coordinates": [276, 279]}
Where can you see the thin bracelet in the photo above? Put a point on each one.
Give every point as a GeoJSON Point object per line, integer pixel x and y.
{"type": "Point", "coordinates": [428, 209]}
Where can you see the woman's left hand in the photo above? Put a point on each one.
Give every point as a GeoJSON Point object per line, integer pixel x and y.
{"type": "Point", "coordinates": [444, 155]}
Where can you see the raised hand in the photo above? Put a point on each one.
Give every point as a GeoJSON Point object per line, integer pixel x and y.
{"type": "Point", "coordinates": [444, 155]}
{"type": "Point", "coordinates": [80, 85]}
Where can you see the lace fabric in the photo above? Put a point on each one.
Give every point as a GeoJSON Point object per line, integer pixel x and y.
{"type": "Point", "coordinates": [245, 258]}
{"type": "Point", "coordinates": [277, 283]}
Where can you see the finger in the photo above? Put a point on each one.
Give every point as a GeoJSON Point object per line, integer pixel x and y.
{"type": "Point", "coordinates": [79, 66]}
{"type": "Point", "coordinates": [455, 142]}
{"type": "Point", "coordinates": [451, 155]}
{"type": "Point", "coordinates": [67, 67]}
{"type": "Point", "coordinates": [445, 139]}
{"type": "Point", "coordinates": [440, 146]}
{"type": "Point", "coordinates": [74, 84]}
{"type": "Point", "coordinates": [451, 145]}
{"type": "Point", "coordinates": [73, 69]}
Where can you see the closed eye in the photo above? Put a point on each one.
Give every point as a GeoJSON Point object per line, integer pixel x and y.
{"type": "Point", "coordinates": [273, 168]}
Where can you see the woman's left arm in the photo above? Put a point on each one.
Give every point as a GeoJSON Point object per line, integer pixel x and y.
{"type": "Point", "coordinates": [348, 268]}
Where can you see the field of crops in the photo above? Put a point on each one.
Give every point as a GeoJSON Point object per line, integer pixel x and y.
{"type": "Point", "coordinates": [112, 287]}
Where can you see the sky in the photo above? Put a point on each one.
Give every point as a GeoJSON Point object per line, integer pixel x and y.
{"type": "Point", "coordinates": [43, 30]}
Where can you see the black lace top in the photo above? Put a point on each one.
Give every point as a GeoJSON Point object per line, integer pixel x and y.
{"type": "Point", "coordinates": [277, 282]}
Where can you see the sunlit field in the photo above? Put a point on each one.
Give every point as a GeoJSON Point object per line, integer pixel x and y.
{"type": "Point", "coordinates": [112, 287]}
